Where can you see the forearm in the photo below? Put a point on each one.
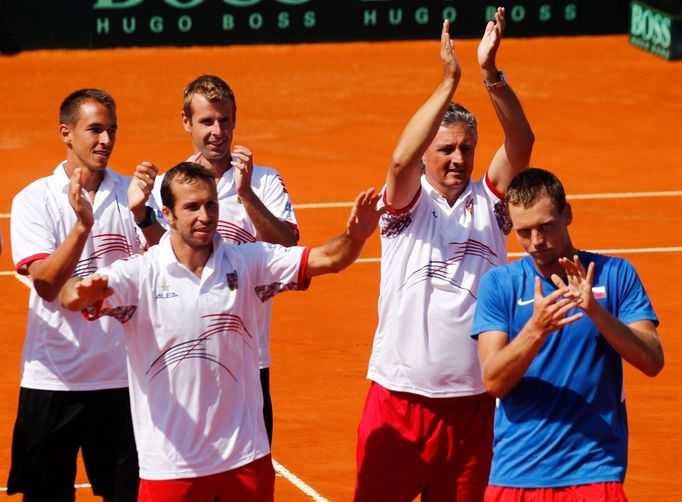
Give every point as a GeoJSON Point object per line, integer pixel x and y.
{"type": "Point", "coordinates": [268, 227]}
{"type": "Point", "coordinates": [404, 169]}
{"type": "Point", "coordinates": [334, 255]}
{"type": "Point", "coordinates": [69, 298]}
{"type": "Point", "coordinates": [504, 369]}
{"type": "Point", "coordinates": [50, 274]}
{"type": "Point", "coordinates": [639, 345]}
{"type": "Point", "coordinates": [518, 134]}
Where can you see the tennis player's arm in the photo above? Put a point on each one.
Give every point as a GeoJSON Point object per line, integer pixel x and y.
{"type": "Point", "coordinates": [82, 292]}
{"type": "Point", "coordinates": [139, 193]}
{"type": "Point", "coordinates": [638, 342]}
{"type": "Point", "coordinates": [268, 227]}
{"type": "Point", "coordinates": [503, 364]}
{"type": "Point", "coordinates": [50, 274]}
{"type": "Point", "coordinates": [342, 250]}
{"type": "Point", "coordinates": [404, 171]}
{"type": "Point", "coordinates": [514, 154]}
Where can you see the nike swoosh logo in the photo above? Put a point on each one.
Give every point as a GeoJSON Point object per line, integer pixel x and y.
{"type": "Point", "coordinates": [521, 302]}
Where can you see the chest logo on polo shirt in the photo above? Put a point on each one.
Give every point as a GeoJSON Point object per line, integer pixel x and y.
{"type": "Point", "coordinates": [166, 292]}
{"type": "Point", "coordinates": [469, 206]}
{"type": "Point", "coordinates": [449, 271]}
{"type": "Point", "coordinates": [204, 347]}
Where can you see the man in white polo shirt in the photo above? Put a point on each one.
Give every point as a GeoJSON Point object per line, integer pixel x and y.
{"type": "Point", "coordinates": [190, 307]}
{"type": "Point", "coordinates": [426, 427]}
{"type": "Point", "coordinates": [73, 373]}
{"type": "Point", "coordinates": [254, 203]}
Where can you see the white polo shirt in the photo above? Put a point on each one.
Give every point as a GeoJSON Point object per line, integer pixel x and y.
{"type": "Point", "coordinates": [235, 226]}
{"type": "Point", "coordinates": [433, 257]}
{"type": "Point", "coordinates": [62, 351]}
{"type": "Point", "coordinates": [193, 353]}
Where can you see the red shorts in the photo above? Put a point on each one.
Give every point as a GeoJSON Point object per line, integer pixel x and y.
{"type": "Point", "coordinates": [254, 482]}
{"type": "Point", "coordinates": [409, 445]}
{"type": "Point", "coordinates": [595, 492]}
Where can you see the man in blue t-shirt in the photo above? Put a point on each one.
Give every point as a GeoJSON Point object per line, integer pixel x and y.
{"type": "Point", "coordinates": [553, 329]}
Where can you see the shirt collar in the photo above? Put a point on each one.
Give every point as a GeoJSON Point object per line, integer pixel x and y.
{"type": "Point", "coordinates": [168, 259]}
{"type": "Point", "coordinates": [440, 198]}
{"type": "Point", "coordinates": [62, 180]}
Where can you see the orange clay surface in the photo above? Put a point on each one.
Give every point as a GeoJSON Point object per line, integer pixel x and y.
{"type": "Point", "coordinates": [606, 118]}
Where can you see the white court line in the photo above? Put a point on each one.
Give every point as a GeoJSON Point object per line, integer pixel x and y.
{"type": "Point", "coordinates": [297, 482]}
{"type": "Point", "coordinates": [674, 249]}
{"type": "Point", "coordinates": [624, 195]}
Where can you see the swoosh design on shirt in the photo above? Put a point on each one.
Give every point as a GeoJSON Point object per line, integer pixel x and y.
{"type": "Point", "coordinates": [521, 302]}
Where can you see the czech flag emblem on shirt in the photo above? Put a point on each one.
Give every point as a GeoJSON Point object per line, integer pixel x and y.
{"type": "Point", "coordinates": [599, 291]}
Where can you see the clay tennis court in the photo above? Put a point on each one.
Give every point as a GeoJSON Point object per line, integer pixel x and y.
{"type": "Point", "coordinates": [607, 120]}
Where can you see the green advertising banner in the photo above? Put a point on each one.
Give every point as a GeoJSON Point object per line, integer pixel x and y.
{"type": "Point", "coordinates": [657, 30]}
{"type": "Point", "coordinates": [37, 24]}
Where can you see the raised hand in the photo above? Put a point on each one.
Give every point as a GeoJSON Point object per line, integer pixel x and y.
{"type": "Point", "coordinates": [141, 187]}
{"type": "Point", "coordinates": [451, 68]}
{"type": "Point", "coordinates": [364, 216]}
{"type": "Point", "coordinates": [79, 202]}
{"type": "Point", "coordinates": [549, 312]}
{"type": "Point", "coordinates": [242, 161]}
{"type": "Point", "coordinates": [487, 48]}
{"type": "Point", "coordinates": [579, 281]}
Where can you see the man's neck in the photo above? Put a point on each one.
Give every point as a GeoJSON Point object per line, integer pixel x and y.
{"type": "Point", "coordinates": [555, 268]}
{"type": "Point", "coordinates": [217, 167]}
{"type": "Point", "coordinates": [194, 259]}
{"type": "Point", "coordinates": [90, 180]}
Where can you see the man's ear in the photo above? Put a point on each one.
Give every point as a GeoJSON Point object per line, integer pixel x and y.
{"type": "Point", "coordinates": [186, 122]}
{"type": "Point", "coordinates": [568, 214]}
{"type": "Point", "coordinates": [65, 133]}
{"type": "Point", "coordinates": [168, 215]}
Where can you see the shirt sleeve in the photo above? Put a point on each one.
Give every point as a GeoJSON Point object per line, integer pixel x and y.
{"type": "Point", "coordinates": [277, 268]}
{"type": "Point", "coordinates": [490, 313]}
{"type": "Point", "coordinates": [633, 302]}
{"type": "Point", "coordinates": [276, 198]}
{"type": "Point", "coordinates": [32, 228]}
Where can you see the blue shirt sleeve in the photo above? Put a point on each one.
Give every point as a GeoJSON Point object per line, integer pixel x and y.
{"type": "Point", "coordinates": [633, 302]}
{"type": "Point", "coordinates": [491, 312]}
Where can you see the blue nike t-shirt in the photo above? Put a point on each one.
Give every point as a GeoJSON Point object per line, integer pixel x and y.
{"type": "Point", "coordinates": [565, 422]}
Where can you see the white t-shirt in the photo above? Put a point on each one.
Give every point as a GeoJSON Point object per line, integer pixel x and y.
{"type": "Point", "coordinates": [235, 226]}
{"type": "Point", "coordinates": [193, 354]}
{"type": "Point", "coordinates": [433, 257]}
{"type": "Point", "coordinates": [62, 351]}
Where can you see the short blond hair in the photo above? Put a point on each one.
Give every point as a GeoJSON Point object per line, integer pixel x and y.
{"type": "Point", "coordinates": [211, 87]}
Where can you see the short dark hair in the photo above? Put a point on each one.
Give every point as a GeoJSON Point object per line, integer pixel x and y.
{"type": "Point", "coordinates": [184, 172]}
{"type": "Point", "coordinates": [457, 114]}
{"type": "Point", "coordinates": [213, 88]}
{"type": "Point", "coordinates": [71, 106]}
{"type": "Point", "coordinates": [531, 184]}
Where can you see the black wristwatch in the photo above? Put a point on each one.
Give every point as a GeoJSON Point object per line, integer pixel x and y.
{"type": "Point", "coordinates": [149, 218]}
